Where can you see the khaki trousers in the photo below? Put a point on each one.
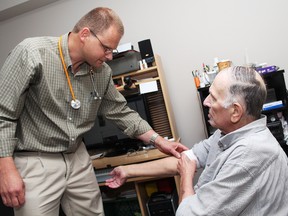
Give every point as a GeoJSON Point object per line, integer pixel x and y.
{"type": "Point", "coordinates": [52, 179]}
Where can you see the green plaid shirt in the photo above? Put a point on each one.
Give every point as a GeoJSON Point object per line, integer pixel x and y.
{"type": "Point", "coordinates": [35, 111]}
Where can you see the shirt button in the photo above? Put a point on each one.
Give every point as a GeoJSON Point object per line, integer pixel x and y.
{"type": "Point", "coordinates": [70, 119]}
{"type": "Point", "coordinates": [73, 139]}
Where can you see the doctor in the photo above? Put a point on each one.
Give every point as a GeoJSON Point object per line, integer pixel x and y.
{"type": "Point", "coordinates": [52, 89]}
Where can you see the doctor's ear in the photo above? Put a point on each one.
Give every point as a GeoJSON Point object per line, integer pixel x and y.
{"type": "Point", "coordinates": [84, 33]}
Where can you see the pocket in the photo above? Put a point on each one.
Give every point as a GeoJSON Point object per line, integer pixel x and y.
{"type": "Point", "coordinates": [21, 163]}
{"type": "Point", "coordinates": [82, 156]}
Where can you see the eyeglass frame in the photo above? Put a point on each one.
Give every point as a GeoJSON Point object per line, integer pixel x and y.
{"type": "Point", "coordinates": [107, 50]}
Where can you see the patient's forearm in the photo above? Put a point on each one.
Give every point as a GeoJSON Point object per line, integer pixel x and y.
{"type": "Point", "coordinates": [162, 167]}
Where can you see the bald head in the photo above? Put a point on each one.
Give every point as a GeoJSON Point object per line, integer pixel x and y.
{"type": "Point", "coordinates": [100, 19]}
{"type": "Point", "coordinates": [244, 85]}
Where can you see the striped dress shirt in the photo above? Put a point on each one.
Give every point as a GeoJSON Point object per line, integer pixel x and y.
{"type": "Point", "coordinates": [245, 173]}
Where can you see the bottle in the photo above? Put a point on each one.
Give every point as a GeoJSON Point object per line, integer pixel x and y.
{"type": "Point", "coordinates": [202, 80]}
{"type": "Point", "coordinates": [197, 81]}
{"type": "Point", "coordinates": [141, 65]}
{"type": "Point", "coordinates": [144, 64]}
{"type": "Point", "coordinates": [215, 66]}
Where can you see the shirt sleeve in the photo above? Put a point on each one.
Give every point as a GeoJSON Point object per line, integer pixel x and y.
{"type": "Point", "coordinates": [228, 194]}
{"type": "Point", "coordinates": [15, 78]}
{"type": "Point", "coordinates": [114, 107]}
{"type": "Point", "coordinates": [190, 154]}
{"type": "Point", "coordinates": [201, 150]}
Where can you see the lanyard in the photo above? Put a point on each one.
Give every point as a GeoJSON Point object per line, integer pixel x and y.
{"type": "Point", "coordinates": [74, 102]}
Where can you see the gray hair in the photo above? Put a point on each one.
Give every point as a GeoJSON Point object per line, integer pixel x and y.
{"type": "Point", "coordinates": [98, 20]}
{"type": "Point", "coordinates": [247, 88]}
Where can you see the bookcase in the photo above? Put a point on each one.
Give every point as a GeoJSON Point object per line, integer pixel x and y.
{"type": "Point", "coordinates": [158, 102]}
{"type": "Point", "coordinates": [163, 122]}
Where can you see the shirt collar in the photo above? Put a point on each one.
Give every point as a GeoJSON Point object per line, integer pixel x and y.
{"type": "Point", "coordinates": [229, 139]}
{"type": "Point", "coordinates": [65, 51]}
{"type": "Point", "coordinates": [84, 68]}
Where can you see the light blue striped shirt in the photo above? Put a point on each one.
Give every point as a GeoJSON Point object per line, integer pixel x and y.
{"type": "Point", "coordinates": [245, 173]}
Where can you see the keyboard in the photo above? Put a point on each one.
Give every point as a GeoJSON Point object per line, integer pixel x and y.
{"type": "Point", "coordinates": [102, 174]}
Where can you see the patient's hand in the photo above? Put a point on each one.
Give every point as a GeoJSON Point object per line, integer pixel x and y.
{"type": "Point", "coordinates": [186, 167]}
{"type": "Point", "coordinates": [118, 178]}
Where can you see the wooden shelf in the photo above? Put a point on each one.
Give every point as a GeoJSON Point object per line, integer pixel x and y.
{"type": "Point", "coordinates": [137, 73]}
{"type": "Point", "coordinates": [162, 121]}
{"type": "Point", "coordinates": [106, 162]}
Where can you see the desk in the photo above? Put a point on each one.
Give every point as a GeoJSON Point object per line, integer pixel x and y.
{"type": "Point", "coordinates": [139, 183]}
{"type": "Point", "coordinates": [141, 156]}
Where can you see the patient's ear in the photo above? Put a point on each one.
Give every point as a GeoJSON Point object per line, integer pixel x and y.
{"type": "Point", "coordinates": [236, 112]}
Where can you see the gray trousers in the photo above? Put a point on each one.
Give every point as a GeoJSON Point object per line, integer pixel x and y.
{"type": "Point", "coordinates": [52, 179]}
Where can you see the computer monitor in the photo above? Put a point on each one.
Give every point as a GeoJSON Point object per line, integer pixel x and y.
{"type": "Point", "coordinates": [107, 137]}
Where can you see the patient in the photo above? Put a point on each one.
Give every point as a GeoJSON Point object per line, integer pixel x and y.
{"type": "Point", "coordinates": [245, 169]}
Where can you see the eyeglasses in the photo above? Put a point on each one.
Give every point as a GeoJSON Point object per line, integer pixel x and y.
{"type": "Point", "coordinates": [107, 50]}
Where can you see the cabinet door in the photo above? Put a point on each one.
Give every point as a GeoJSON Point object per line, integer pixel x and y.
{"type": "Point", "coordinates": [120, 201]}
{"type": "Point", "coordinates": [276, 91]}
{"type": "Point", "coordinates": [203, 93]}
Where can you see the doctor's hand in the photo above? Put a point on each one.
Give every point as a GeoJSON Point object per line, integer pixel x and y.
{"type": "Point", "coordinates": [162, 144]}
{"type": "Point", "coordinates": [171, 148]}
{"type": "Point", "coordinates": [119, 177]}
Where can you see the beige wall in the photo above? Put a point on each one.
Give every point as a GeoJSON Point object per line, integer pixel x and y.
{"type": "Point", "coordinates": [184, 33]}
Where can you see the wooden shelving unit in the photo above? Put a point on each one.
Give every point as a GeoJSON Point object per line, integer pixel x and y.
{"type": "Point", "coordinates": [163, 122]}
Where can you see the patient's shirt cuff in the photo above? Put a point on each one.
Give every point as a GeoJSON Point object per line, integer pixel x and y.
{"type": "Point", "coordinates": [190, 154]}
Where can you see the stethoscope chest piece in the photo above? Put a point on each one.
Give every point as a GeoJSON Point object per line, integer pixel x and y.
{"type": "Point", "coordinates": [75, 104]}
{"type": "Point", "coordinates": [96, 95]}
{"type": "Point", "coordinates": [97, 98]}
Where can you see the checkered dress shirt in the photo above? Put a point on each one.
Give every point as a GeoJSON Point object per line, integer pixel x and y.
{"type": "Point", "coordinates": [35, 111]}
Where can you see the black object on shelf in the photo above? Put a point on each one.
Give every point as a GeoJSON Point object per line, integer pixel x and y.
{"type": "Point", "coordinates": [122, 207]}
{"type": "Point", "coordinates": [162, 204]}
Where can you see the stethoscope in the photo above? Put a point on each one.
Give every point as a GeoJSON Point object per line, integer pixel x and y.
{"type": "Point", "coordinates": [96, 95]}
{"type": "Point", "coordinates": [75, 103]}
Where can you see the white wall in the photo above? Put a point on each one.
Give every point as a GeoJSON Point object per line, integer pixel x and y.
{"type": "Point", "coordinates": [184, 33]}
